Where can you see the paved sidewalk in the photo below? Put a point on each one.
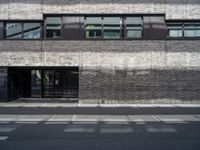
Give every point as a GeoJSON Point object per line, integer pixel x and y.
{"type": "Point", "coordinates": [39, 104]}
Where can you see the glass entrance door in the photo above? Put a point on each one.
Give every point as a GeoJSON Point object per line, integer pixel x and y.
{"type": "Point", "coordinates": [36, 83]}
{"type": "Point", "coordinates": [53, 85]}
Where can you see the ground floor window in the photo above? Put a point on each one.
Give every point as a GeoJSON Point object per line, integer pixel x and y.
{"type": "Point", "coordinates": [43, 82]}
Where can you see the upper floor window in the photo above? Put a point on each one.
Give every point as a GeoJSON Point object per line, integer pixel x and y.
{"type": "Point", "coordinates": [53, 27]}
{"type": "Point", "coordinates": [185, 29]}
{"type": "Point", "coordinates": [133, 27]}
{"type": "Point", "coordinates": [23, 30]}
{"type": "Point", "coordinates": [93, 27]}
{"type": "Point", "coordinates": [192, 29]}
{"type": "Point", "coordinates": [112, 27]}
{"type": "Point", "coordinates": [175, 30]}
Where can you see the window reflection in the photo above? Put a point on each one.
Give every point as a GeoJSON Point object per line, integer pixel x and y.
{"type": "Point", "coordinates": [93, 27]}
{"type": "Point", "coordinates": [36, 83]}
{"type": "Point", "coordinates": [32, 31]}
{"type": "Point", "coordinates": [23, 30]}
{"type": "Point", "coordinates": [53, 27]}
{"type": "Point", "coordinates": [175, 30]}
{"type": "Point", "coordinates": [111, 27]}
{"type": "Point", "coordinates": [14, 30]}
{"type": "Point", "coordinates": [192, 30]}
{"type": "Point", "coordinates": [133, 27]}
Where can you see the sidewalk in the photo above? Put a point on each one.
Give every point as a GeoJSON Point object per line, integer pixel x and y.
{"type": "Point", "coordinates": [63, 105]}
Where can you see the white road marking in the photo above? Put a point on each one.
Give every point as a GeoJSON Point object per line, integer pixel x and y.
{"type": "Point", "coordinates": [3, 138]}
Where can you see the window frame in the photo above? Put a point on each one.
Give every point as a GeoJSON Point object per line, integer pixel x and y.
{"type": "Point", "coordinates": [85, 30]}
{"type": "Point", "coordinates": [125, 28]}
{"type": "Point", "coordinates": [120, 28]}
{"type": "Point", "coordinates": [23, 22]}
{"type": "Point", "coordinates": [45, 27]}
{"type": "Point", "coordinates": [184, 29]}
{"type": "Point", "coordinates": [182, 22]}
{"type": "Point", "coordinates": [175, 23]}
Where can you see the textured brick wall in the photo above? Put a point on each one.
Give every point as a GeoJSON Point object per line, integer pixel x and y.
{"type": "Point", "coordinates": [34, 9]}
{"type": "Point", "coordinates": [135, 71]}
{"type": "Point", "coordinates": [143, 71]}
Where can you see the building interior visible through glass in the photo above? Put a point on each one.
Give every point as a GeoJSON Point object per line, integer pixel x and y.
{"type": "Point", "coordinates": [99, 27]}
{"type": "Point", "coordinates": [47, 83]}
{"type": "Point", "coordinates": [111, 27]}
{"type": "Point", "coordinates": [133, 27]}
{"type": "Point", "coordinates": [53, 27]}
{"type": "Point", "coordinates": [93, 27]}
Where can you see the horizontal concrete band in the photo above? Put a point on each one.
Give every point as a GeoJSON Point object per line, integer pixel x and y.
{"type": "Point", "coordinates": [29, 9]}
{"type": "Point", "coordinates": [106, 54]}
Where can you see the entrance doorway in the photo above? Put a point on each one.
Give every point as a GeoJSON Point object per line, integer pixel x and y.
{"type": "Point", "coordinates": [43, 82]}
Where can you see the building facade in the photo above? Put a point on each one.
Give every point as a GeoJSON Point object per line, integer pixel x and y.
{"type": "Point", "coordinates": [100, 51]}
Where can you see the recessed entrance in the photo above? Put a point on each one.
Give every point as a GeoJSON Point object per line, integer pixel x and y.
{"type": "Point", "coordinates": [43, 82]}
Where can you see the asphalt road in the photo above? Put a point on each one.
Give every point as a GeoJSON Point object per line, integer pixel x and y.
{"type": "Point", "coordinates": [134, 127]}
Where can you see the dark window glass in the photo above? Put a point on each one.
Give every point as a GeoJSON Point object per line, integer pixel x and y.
{"type": "Point", "coordinates": [1, 30]}
{"type": "Point", "coordinates": [13, 30]}
{"type": "Point", "coordinates": [60, 83]}
{"type": "Point", "coordinates": [53, 27]}
{"type": "Point", "coordinates": [133, 27]}
{"type": "Point", "coordinates": [93, 27]}
{"type": "Point", "coordinates": [36, 78]}
{"type": "Point", "coordinates": [175, 30]}
{"type": "Point", "coordinates": [111, 27]}
{"type": "Point", "coordinates": [32, 30]}
{"type": "Point", "coordinates": [3, 84]}
{"type": "Point", "coordinates": [192, 30]}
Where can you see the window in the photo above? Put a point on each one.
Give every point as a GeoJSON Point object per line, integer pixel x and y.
{"type": "Point", "coordinates": [32, 30]}
{"type": "Point", "coordinates": [13, 30]}
{"type": "Point", "coordinates": [53, 27]}
{"type": "Point", "coordinates": [192, 30]}
{"type": "Point", "coordinates": [175, 30]}
{"type": "Point", "coordinates": [133, 27]}
{"type": "Point", "coordinates": [111, 27]}
{"type": "Point", "coordinates": [184, 30]}
{"type": "Point", "coordinates": [23, 30]}
{"type": "Point", "coordinates": [93, 27]}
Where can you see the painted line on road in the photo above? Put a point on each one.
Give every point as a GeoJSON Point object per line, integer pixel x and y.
{"type": "Point", "coordinates": [3, 138]}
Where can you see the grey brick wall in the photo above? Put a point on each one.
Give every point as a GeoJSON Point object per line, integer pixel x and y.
{"type": "Point", "coordinates": [113, 71]}
{"type": "Point", "coordinates": [34, 9]}
{"type": "Point", "coordinates": [123, 71]}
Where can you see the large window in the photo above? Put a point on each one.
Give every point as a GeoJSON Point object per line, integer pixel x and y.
{"type": "Point", "coordinates": [185, 29]}
{"type": "Point", "coordinates": [111, 27]}
{"type": "Point", "coordinates": [53, 27]}
{"type": "Point", "coordinates": [133, 27]}
{"type": "Point", "coordinates": [93, 27]}
{"type": "Point", "coordinates": [23, 30]}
